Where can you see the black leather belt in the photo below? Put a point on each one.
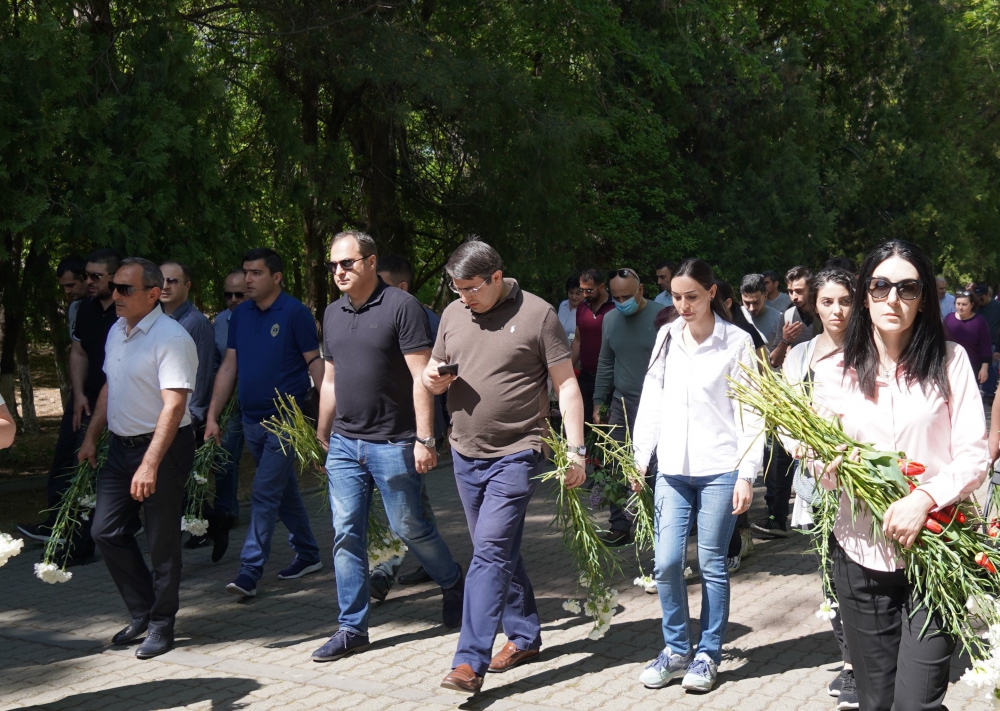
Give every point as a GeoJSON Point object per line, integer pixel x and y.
{"type": "Point", "coordinates": [144, 439]}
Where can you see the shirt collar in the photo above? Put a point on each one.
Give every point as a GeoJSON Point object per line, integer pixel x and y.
{"type": "Point", "coordinates": [181, 310]}
{"type": "Point", "coordinates": [277, 304]}
{"type": "Point", "coordinates": [511, 296]}
{"type": "Point", "coordinates": [373, 300]}
{"type": "Point", "coordinates": [718, 333]}
{"type": "Point", "coordinates": [145, 323]}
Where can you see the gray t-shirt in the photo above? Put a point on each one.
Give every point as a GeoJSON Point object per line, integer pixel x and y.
{"type": "Point", "coordinates": [781, 303]}
{"type": "Point", "coordinates": [813, 328]}
{"type": "Point", "coordinates": [768, 324]}
{"type": "Point", "coordinates": [499, 402]}
{"type": "Point", "coordinates": [626, 344]}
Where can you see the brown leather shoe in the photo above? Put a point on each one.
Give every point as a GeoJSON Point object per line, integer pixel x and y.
{"type": "Point", "coordinates": [462, 678]}
{"type": "Point", "coordinates": [509, 657]}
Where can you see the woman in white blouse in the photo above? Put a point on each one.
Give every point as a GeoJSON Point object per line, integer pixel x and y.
{"type": "Point", "coordinates": [7, 426]}
{"type": "Point", "coordinates": [708, 454]}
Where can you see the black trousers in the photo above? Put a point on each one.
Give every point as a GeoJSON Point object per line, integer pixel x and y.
{"type": "Point", "coordinates": [587, 381]}
{"type": "Point", "coordinates": [620, 416]}
{"type": "Point", "coordinates": [61, 473]}
{"type": "Point", "coordinates": [778, 477]}
{"type": "Point", "coordinates": [895, 667]}
{"type": "Point", "coordinates": [152, 595]}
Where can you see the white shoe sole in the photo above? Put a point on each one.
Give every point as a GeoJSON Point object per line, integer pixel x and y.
{"type": "Point", "coordinates": [305, 571]}
{"type": "Point", "coordinates": [697, 687]}
{"type": "Point", "coordinates": [235, 589]}
{"type": "Point", "coordinates": [659, 685]}
{"type": "Point", "coordinates": [37, 537]}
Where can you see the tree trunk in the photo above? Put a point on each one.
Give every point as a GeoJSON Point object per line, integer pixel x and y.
{"type": "Point", "coordinates": [29, 419]}
{"type": "Point", "coordinates": [59, 337]}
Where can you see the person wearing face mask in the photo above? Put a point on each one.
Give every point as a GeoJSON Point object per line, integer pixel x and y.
{"type": "Point", "coordinates": [628, 334]}
{"type": "Point", "coordinates": [901, 386]}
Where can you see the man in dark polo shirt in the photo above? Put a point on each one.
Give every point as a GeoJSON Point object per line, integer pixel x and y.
{"type": "Point", "coordinates": [587, 342]}
{"type": "Point", "coordinates": [507, 344]}
{"type": "Point", "coordinates": [376, 340]}
{"type": "Point", "coordinates": [274, 349]}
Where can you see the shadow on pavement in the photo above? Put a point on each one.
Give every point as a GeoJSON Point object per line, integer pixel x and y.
{"type": "Point", "coordinates": [223, 693]}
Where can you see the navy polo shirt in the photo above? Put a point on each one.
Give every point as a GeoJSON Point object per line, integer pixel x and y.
{"type": "Point", "coordinates": [269, 345]}
{"type": "Point", "coordinates": [373, 385]}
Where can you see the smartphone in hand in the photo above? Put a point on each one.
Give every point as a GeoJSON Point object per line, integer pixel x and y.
{"type": "Point", "coordinates": [448, 369]}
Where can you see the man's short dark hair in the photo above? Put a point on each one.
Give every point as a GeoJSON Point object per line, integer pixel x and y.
{"type": "Point", "coordinates": [185, 269]}
{"type": "Point", "coordinates": [272, 260]}
{"type": "Point", "coordinates": [573, 283]}
{"type": "Point", "coordinates": [108, 258]}
{"type": "Point", "coordinates": [365, 242]}
{"type": "Point", "coordinates": [473, 259]}
{"type": "Point", "coordinates": [772, 275]}
{"type": "Point", "coordinates": [397, 267]}
{"type": "Point", "coordinates": [151, 274]}
{"type": "Point", "coordinates": [74, 265]}
{"type": "Point", "coordinates": [845, 263]}
{"type": "Point", "coordinates": [665, 264]}
{"type": "Point", "coordinates": [753, 284]}
{"type": "Point", "coordinates": [592, 274]}
{"type": "Point", "coordinates": [798, 272]}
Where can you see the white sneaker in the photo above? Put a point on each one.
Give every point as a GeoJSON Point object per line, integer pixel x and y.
{"type": "Point", "coordinates": [733, 563]}
{"type": "Point", "coordinates": [701, 674]}
{"type": "Point", "coordinates": [650, 587]}
{"type": "Point", "coordinates": [664, 669]}
{"type": "Point", "coordinates": [746, 543]}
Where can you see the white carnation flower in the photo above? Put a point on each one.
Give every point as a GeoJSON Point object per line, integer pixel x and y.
{"type": "Point", "coordinates": [87, 502]}
{"type": "Point", "coordinates": [572, 606]}
{"type": "Point", "coordinates": [643, 581]}
{"type": "Point", "coordinates": [9, 547]}
{"type": "Point", "coordinates": [51, 573]}
{"type": "Point", "coordinates": [827, 610]}
{"type": "Point", "coordinates": [194, 526]}
{"type": "Point", "coordinates": [981, 676]}
{"type": "Point", "coordinates": [199, 479]}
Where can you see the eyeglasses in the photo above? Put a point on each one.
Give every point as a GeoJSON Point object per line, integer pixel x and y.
{"type": "Point", "coordinates": [907, 289]}
{"type": "Point", "coordinates": [588, 292]}
{"type": "Point", "coordinates": [127, 289]}
{"type": "Point", "coordinates": [172, 281]}
{"type": "Point", "coordinates": [93, 276]}
{"type": "Point", "coordinates": [234, 294]}
{"type": "Point", "coordinates": [966, 294]}
{"type": "Point", "coordinates": [467, 290]}
{"type": "Point", "coordinates": [624, 273]}
{"type": "Point", "coordinates": [344, 264]}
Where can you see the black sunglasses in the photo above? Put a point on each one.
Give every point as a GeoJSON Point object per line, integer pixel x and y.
{"type": "Point", "coordinates": [624, 273]}
{"type": "Point", "coordinates": [908, 289]}
{"type": "Point", "coordinates": [93, 276]}
{"type": "Point", "coordinates": [344, 264]}
{"type": "Point", "coordinates": [127, 289]}
{"type": "Point", "coordinates": [234, 294]}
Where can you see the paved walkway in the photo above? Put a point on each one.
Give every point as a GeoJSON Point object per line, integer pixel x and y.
{"type": "Point", "coordinates": [54, 653]}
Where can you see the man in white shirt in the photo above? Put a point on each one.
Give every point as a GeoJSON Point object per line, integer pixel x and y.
{"type": "Point", "coordinates": [946, 300]}
{"type": "Point", "coordinates": [766, 320]}
{"type": "Point", "coordinates": [567, 309]}
{"type": "Point", "coordinates": [151, 365]}
{"type": "Point", "coordinates": [777, 300]}
{"type": "Point", "coordinates": [664, 273]}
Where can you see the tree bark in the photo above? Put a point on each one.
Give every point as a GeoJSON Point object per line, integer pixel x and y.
{"type": "Point", "coordinates": [59, 337]}
{"type": "Point", "coordinates": [29, 418]}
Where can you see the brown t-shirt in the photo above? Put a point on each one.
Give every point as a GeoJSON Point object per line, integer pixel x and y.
{"type": "Point", "coordinates": [499, 402]}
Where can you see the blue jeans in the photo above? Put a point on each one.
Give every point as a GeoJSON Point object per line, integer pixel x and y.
{"type": "Point", "coordinates": [275, 495]}
{"type": "Point", "coordinates": [495, 494]}
{"type": "Point", "coordinates": [354, 467]}
{"type": "Point", "coordinates": [676, 498]}
{"type": "Point", "coordinates": [391, 567]}
{"type": "Point", "coordinates": [227, 477]}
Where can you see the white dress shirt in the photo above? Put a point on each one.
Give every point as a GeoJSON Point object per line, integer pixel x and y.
{"type": "Point", "coordinates": [947, 304]}
{"type": "Point", "coordinates": [567, 317]}
{"type": "Point", "coordinates": [685, 412]}
{"type": "Point", "coordinates": [157, 355]}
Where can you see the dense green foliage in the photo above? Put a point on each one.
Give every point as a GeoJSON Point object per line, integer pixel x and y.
{"type": "Point", "coordinates": [565, 132]}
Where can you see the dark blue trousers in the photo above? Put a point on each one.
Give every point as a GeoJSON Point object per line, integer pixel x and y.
{"type": "Point", "coordinates": [495, 494]}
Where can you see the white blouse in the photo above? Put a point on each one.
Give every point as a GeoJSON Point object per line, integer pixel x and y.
{"type": "Point", "coordinates": [685, 412]}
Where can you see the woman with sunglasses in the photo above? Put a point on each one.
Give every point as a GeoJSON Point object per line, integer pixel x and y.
{"type": "Point", "coordinates": [901, 386]}
{"type": "Point", "coordinates": [970, 330]}
{"type": "Point", "coordinates": [708, 452]}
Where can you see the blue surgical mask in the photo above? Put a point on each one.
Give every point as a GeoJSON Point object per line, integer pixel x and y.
{"type": "Point", "coordinates": [628, 308]}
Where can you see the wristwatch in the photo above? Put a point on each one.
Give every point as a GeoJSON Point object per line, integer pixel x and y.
{"type": "Point", "coordinates": [429, 442]}
{"type": "Point", "coordinates": [582, 451]}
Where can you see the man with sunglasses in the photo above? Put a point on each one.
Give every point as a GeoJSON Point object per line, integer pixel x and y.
{"type": "Point", "coordinates": [273, 349]}
{"type": "Point", "coordinates": [175, 303]}
{"type": "Point", "coordinates": [506, 345]}
{"type": "Point", "coordinates": [628, 336]}
{"type": "Point", "coordinates": [227, 477]}
{"type": "Point", "coordinates": [587, 343]}
{"type": "Point", "coordinates": [151, 367]}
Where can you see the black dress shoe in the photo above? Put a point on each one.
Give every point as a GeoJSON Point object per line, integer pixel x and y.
{"type": "Point", "coordinates": [154, 645]}
{"type": "Point", "coordinates": [417, 577]}
{"type": "Point", "coordinates": [197, 542]}
{"type": "Point", "coordinates": [135, 630]}
{"type": "Point", "coordinates": [220, 540]}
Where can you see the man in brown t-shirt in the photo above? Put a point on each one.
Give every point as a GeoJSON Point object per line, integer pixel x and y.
{"type": "Point", "coordinates": [506, 343]}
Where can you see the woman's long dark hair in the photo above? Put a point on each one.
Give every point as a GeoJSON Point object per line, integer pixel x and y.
{"type": "Point", "coordinates": [923, 359]}
{"type": "Point", "coordinates": [701, 272]}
